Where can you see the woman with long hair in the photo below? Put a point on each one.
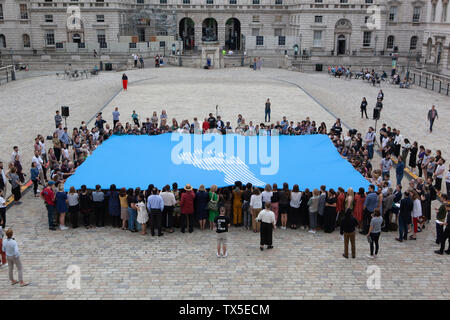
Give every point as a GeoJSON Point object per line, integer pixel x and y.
{"type": "Point", "coordinates": [294, 207]}
{"type": "Point", "coordinates": [285, 198]}
{"type": "Point", "coordinates": [358, 210]}
{"type": "Point", "coordinates": [304, 213]}
{"type": "Point", "coordinates": [132, 212]}
{"type": "Point", "coordinates": [125, 81]}
{"type": "Point", "coordinates": [85, 205]}
{"type": "Point", "coordinates": [142, 214]}
{"type": "Point", "coordinates": [313, 208]}
{"type": "Point", "coordinates": [214, 207]}
{"type": "Point", "coordinates": [123, 207]}
{"type": "Point", "coordinates": [237, 204]}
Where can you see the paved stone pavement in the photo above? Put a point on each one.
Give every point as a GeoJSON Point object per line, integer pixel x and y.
{"type": "Point", "coordinates": [117, 264]}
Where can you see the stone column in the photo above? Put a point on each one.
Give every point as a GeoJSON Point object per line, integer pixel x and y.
{"type": "Point", "coordinates": [198, 35]}
{"type": "Point", "coordinates": [221, 34]}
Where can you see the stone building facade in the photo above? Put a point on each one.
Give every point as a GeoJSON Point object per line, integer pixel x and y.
{"type": "Point", "coordinates": [417, 29]}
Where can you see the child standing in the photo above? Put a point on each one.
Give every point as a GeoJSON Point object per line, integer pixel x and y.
{"type": "Point", "coordinates": [222, 224]}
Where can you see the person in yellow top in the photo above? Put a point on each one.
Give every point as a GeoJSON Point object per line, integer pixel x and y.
{"type": "Point", "coordinates": [237, 205]}
{"type": "Point", "coordinates": [123, 207]}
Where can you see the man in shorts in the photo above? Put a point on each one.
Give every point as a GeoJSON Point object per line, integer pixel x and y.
{"type": "Point", "coordinates": [222, 224]}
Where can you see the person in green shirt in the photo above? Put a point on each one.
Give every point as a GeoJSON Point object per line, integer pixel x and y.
{"type": "Point", "coordinates": [213, 199]}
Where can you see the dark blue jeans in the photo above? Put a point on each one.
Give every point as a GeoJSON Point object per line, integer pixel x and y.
{"type": "Point", "coordinates": [50, 213]}
{"type": "Point", "coordinates": [370, 151]}
{"type": "Point", "coordinates": [399, 179]}
{"type": "Point", "coordinates": [267, 114]}
{"type": "Point", "coordinates": [431, 124]}
{"type": "Point", "coordinates": [402, 228]}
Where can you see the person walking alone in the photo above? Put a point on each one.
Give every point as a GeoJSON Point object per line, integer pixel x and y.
{"type": "Point", "coordinates": [125, 81]}
{"type": "Point", "coordinates": [222, 224]}
{"type": "Point", "coordinates": [432, 115]}
{"type": "Point", "coordinates": [364, 108]}
{"type": "Point", "coordinates": [267, 110]}
{"type": "Point", "coordinates": [11, 249]}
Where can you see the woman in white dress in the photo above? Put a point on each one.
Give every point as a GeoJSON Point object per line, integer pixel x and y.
{"type": "Point", "coordinates": [142, 216]}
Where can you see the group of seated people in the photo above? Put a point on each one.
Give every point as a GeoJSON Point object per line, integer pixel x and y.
{"type": "Point", "coordinates": [405, 83]}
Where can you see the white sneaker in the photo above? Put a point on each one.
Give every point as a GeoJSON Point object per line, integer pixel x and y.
{"type": "Point", "coordinates": [4, 265]}
{"type": "Point", "coordinates": [342, 238]}
{"type": "Point", "coordinates": [218, 255]}
{"type": "Point", "coordinates": [369, 256]}
{"type": "Point", "coordinates": [225, 255]}
{"type": "Point", "coordinates": [63, 227]}
{"type": "Point", "coordinates": [311, 231]}
{"type": "Point", "coordinates": [283, 228]}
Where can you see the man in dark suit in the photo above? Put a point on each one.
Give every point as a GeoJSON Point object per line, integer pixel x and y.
{"type": "Point", "coordinates": [404, 217]}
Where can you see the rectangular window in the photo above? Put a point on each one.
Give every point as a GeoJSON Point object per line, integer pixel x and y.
{"type": "Point", "coordinates": [367, 37]}
{"type": "Point", "coordinates": [369, 1]}
{"type": "Point", "coordinates": [318, 1]}
{"type": "Point", "coordinates": [318, 19]}
{"type": "Point", "coordinates": [416, 14]}
{"type": "Point", "coordinates": [23, 11]}
{"type": "Point", "coordinates": [317, 38]}
{"type": "Point", "coordinates": [255, 32]}
{"type": "Point", "coordinates": [278, 1]}
{"type": "Point", "coordinates": [259, 40]}
{"type": "Point", "coordinates": [50, 37]}
{"type": "Point", "coordinates": [209, 1]}
{"type": "Point", "coordinates": [233, 2]}
{"type": "Point", "coordinates": [48, 18]}
{"type": "Point", "coordinates": [255, 1]}
{"type": "Point", "coordinates": [366, 18]}
{"type": "Point", "coordinates": [186, 1]}
{"type": "Point", "coordinates": [281, 40]}
{"type": "Point", "coordinates": [433, 12]}
{"type": "Point", "coordinates": [101, 37]}
{"type": "Point", "coordinates": [140, 1]}
{"type": "Point", "coordinates": [100, 18]}
{"type": "Point", "coordinates": [255, 19]}
{"type": "Point", "coordinates": [162, 44]}
{"type": "Point", "coordinates": [392, 14]}
{"type": "Point", "coordinates": [1, 11]}
{"type": "Point", "coordinates": [163, 1]}
{"type": "Point", "coordinates": [344, 1]}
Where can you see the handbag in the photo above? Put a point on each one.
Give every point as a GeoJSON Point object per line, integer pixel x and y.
{"type": "Point", "coordinates": [212, 205]}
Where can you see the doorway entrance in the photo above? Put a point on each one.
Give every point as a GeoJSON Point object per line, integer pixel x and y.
{"type": "Point", "coordinates": [341, 45]}
{"type": "Point", "coordinates": [233, 34]}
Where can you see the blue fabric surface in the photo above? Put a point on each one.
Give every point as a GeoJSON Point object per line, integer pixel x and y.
{"type": "Point", "coordinates": [136, 161]}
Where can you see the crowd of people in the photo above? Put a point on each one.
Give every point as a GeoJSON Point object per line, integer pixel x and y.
{"type": "Point", "coordinates": [169, 208]}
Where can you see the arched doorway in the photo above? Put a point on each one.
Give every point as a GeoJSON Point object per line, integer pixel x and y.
{"type": "Point", "coordinates": [76, 38]}
{"type": "Point", "coordinates": [233, 34]}
{"type": "Point", "coordinates": [187, 33]}
{"type": "Point", "coordinates": [438, 52]}
{"type": "Point", "coordinates": [342, 34]}
{"type": "Point", "coordinates": [209, 30]}
{"type": "Point", "coordinates": [341, 44]}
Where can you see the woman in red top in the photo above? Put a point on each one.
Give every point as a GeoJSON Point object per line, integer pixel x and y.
{"type": "Point", "coordinates": [205, 126]}
{"type": "Point", "coordinates": [360, 197]}
{"type": "Point", "coordinates": [340, 204]}
{"type": "Point", "coordinates": [187, 208]}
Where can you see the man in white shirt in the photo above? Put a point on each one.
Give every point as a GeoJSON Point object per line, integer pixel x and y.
{"type": "Point", "coordinates": [15, 153]}
{"type": "Point", "coordinates": [169, 203]}
{"type": "Point", "coordinates": [397, 143]}
{"type": "Point", "coordinates": [386, 165]}
{"type": "Point", "coordinates": [268, 223]}
{"type": "Point", "coordinates": [369, 139]}
{"type": "Point", "coordinates": [39, 164]}
{"type": "Point", "coordinates": [439, 174]}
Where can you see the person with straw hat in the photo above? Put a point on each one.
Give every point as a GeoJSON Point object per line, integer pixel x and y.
{"type": "Point", "coordinates": [187, 208]}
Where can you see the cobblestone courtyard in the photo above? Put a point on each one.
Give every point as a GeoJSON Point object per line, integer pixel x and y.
{"type": "Point", "coordinates": [117, 264]}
